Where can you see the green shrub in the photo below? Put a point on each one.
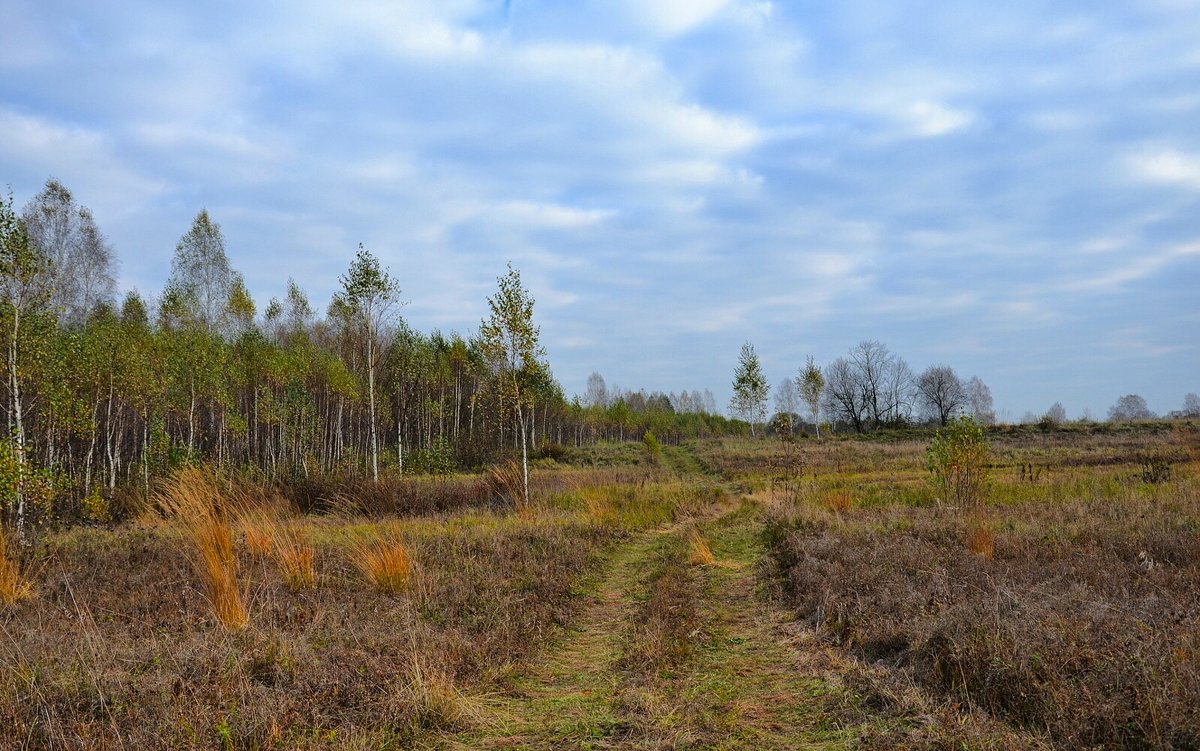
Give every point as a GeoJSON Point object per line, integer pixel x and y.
{"type": "Point", "coordinates": [957, 460]}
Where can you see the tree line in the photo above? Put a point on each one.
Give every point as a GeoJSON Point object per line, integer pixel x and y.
{"type": "Point", "coordinates": [101, 393]}
{"type": "Point", "coordinates": [869, 388]}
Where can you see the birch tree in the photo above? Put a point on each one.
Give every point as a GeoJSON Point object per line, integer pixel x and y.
{"type": "Point", "coordinates": [750, 388]}
{"type": "Point", "coordinates": [23, 291]}
{"type": "Point", "coordinates": [370, 296]}
{"type": "Point", "coordinates": [509, 341]}
{"type": "Point", "coordinates": [812, 384]}
{"type": "Point", "coordinates": [80, 262]}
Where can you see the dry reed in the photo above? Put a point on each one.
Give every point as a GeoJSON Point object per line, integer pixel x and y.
{"type": "Point", "coordinates": [507, 482]}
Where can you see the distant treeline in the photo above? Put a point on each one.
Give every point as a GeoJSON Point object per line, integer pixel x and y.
{"type": "Point", "coordinates": [100, 395]}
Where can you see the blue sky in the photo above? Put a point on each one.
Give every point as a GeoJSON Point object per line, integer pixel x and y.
{"type": "Point", "coordinates": [1009, 188]}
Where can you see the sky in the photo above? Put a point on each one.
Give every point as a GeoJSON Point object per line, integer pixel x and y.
{"type": "Point", "coordinates": [1012, 189]}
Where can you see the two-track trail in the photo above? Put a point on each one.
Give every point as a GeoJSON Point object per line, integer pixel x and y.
{"type": "Point", "coordinates": [668, 653]}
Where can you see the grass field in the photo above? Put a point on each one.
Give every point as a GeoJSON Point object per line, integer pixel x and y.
{"type": "Point", "coordinates": [726, 594]}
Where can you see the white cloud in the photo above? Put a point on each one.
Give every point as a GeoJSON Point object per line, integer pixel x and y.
{"type": "Point", "coordinates": [929, 119]}
{"type": "Point", "coordinates": [1135, 270]}
{"type": "Point", "coordinates": [533, 214]}
{"type": "Point", "coordinates": [1168, 166]}
{"type": "Point", "coordinates": [673, 17]}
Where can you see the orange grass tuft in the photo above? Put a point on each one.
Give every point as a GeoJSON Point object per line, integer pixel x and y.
{"type": "Point", "coordinates": [194, 498]}
{"type": "Point", "coordinates": [839, 501]}
{"type": "Point", "coordinates": [382, 558]}
{"type": "Point", "coordinates": [981, 540]}
{"type": "Point", "coordinates": [257, 528]}
{"type": "Point", "coordinates": [699, 553]}
{"type": "Point", "coordinates": [293, 552]}
{"type": "Point", "coordinates": [14, 587]}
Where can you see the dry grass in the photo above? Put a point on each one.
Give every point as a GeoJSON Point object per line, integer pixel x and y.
{"type": "Point", "coordinates": [257, 526]}
{"type": "Point", "coordinates": [839, 501]}
{"type": "Point", "coordinates": [436, 703]}
{"type": "Point", "coordinates": [14, 585]}
{"type": "Point", "coordinates": [507, 483]}
{"type": "Point", "coordinates": [1068, 608]}
{"type": "Point", "coordinates": [699, 553]}
{"type": "Point", "coordinates": [380, 555]}
{"type": "Point", "coordinates": [981, 539]}
{"type": "Point", "coordinates": [194, 498]}
{"type": "Point", "coordinates": [327, 667]}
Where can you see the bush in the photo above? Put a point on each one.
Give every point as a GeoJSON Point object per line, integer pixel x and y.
{"type": "Point", "coordinates": [957, 459]}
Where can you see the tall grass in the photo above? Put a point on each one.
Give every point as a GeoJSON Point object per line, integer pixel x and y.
{"type": "Point", "coordinates": [14, 586]}
{"type": "Point", "coordinates": [268, 531]}
{"type": "Point", "coordinates": [382, 558]}
{"type": "Point", "coordinates": [507, 482]}
{"type": "Point", "coordinates": [699, 553]}
{"type": "Point", "coordinates": [194, 499]}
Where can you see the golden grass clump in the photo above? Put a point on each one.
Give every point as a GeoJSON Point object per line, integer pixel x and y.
{"type": "Point", "coordinates": [293, 553]}
{"type": "Point", "coordinates": [267, 531]}
{"type": "Point", "coordinates": [383, 559]}
{"type": "Point", "coordinates": [981, 540]}
{"type": "Point", "coordinates": [194, 499]}
{"type": "Point", "coordinates": [507, 482]}
{"type": "Point", "coordinates": [14, 586]}
{"type": "Point", "coordinates": [437, 703]}
{"type": "Point", "coordinates": [838, 501]}
{"type": "Point", "coordinates": [257, 528]}
{"type": "Point", "coordinates": [699, 553]}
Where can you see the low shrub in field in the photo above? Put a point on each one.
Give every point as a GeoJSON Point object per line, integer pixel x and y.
{"type": "Point", "coordinates": [957, 460]}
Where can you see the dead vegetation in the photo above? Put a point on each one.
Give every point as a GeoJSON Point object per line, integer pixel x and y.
{"type": "Point", "coordinates": [1072, 610]}
{"type": "Point", "coordinates": [125, 648]}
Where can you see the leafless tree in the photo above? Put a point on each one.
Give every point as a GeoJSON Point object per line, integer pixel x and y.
{"type": "Point", "coordinates": [979, 401]}
{"type": "Point", "coordinates": [80, 261]}
{"type": "Point", "coordinates": [941, 392]}
{"type": "Point", "coordinates": [844, 400]}
{"type": "Point", "coordinates": [1130, 408]}
{"type": "Point", "coordinates": [597, 392]}
{"type": "Point", "coordinates": [786, 401]}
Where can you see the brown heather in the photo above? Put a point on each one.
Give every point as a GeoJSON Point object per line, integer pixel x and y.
{"type": "Point", "coordinates": [1084, 625]}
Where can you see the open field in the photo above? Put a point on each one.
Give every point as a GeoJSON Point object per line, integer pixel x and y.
{"type": "Point", "coordinates": [728, 594]}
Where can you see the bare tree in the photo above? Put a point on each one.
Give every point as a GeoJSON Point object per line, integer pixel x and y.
{"type": "Point", "coordinates": [941, 392]}
{"type": "Point", "coordinates": [1130, 408]}
{"type": "Point", "coordinates": [1191, 405]}
{"type": "Point", "coordinates": [843, 398]}
{"type": "Point", "coordinates": [80, 262]}
{"type": "Point", "coordinates": [979, 401]}
{"type": "Point", "coordinates": [885, 381]}
{"type": "Point", "coordinates": [1057, 414]}
{"type": "Point", "coordinates": [785, 398]}
{"type": "Point", "coordinates": [597, 392]}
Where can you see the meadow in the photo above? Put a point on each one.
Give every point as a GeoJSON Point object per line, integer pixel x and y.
{"type": "Point", "coordinates": [727, 593]}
